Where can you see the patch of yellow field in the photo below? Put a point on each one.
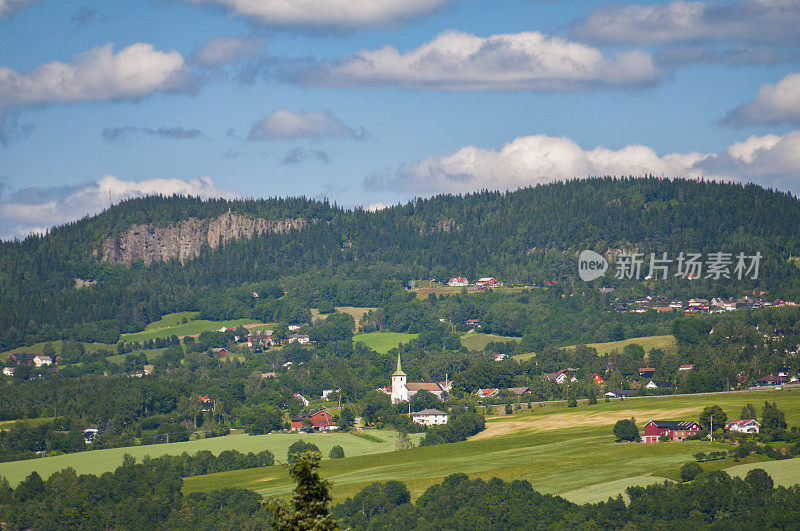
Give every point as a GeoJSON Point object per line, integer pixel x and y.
{"type": "Point", "coordinates": [557, 421]}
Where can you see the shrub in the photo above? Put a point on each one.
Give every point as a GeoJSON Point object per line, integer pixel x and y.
{"type": "Point", "coordinates": [337, 452]}
{"type": "Point", "coordinates": [689, 471]}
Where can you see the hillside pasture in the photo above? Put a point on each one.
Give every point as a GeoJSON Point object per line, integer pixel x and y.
{"type": "Point", "coordinates": [555, 416]}
{"type": "Point", "coordinates": [478, 341]}
{"type": "Point", "coordinates": [36, 348]}
{"type": "Point", "coordinates": [383, 342]}
{"type": "Point", "coordinates": [555, 462]}
{"type": "Point", "coordinates": [667, 343]}
{"type": "Point", "coordinates": [356, 311]}
{"type": "Point", "coordinates": [100, 461]}
{"type": "Point", "coordinates": [191, 328]}
{"type": "Point", "coordinates": [569, 451]}
{"type": "Point", "coordinates": [785, 473]}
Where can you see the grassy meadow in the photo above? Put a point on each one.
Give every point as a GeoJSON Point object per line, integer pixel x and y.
{"type": "Point", "coordinates": [648, 342]}
{"type": "Point", "coordinates": [383, 342]}
{"type": "Point", "coordinates": [190, 328]}
{"type": "Point", "coordinates": [478, 341]}
{"type": "Point", "coordinates": [99, 461]}
{"type": "Point", "coordinates": [356, 312]}
{"type": "Point", "coordinates": [569, 451]}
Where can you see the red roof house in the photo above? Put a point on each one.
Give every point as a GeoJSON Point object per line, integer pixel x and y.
{"type": "Point", "coordinates": [320, 420]}
{"type": "Point", "coordinates": [485, 393]}
{"type": "Point", "coordinates": [674, 430]}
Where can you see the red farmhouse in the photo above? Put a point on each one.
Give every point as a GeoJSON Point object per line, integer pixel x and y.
{"type": "Point", "coordinates": [675, 430]}
{"type": "Point", "coordinates": [320, 420]}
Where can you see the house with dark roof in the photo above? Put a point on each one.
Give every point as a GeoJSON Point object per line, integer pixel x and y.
{"type": "Point", "coordinates": [620, 393]}
{"type": "Point", "coordinates": [647, 372]}
{"type": "Point", "coordinates": [767, 381]}
{"type": "Point", "coordinates": [519, 391]}
{"type": "Point", "coordinates": [672, 430]}
{"type": "Point", "coordinates": [658, 384]}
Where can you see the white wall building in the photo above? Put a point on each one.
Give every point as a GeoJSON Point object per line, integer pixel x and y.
{"type": "Point", "coordinates": [429, 417]}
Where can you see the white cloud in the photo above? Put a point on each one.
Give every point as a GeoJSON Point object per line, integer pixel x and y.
{"type": "Point", "coordinates": [9, 7]}
{"type": "Point", "coordinates": [771, 160]}
{"type": "Point", "coordinates": [226, 50]}
{"type": "Point", "coordinates": [374, 207]}
{"type": "Point", "coordinates": [519, 61]}
{"type": "Point", "coordinates": [35, 209]}
{"type": "Point", "coordinates": [98, 75]}
{"type": "Point", "coordinates": [774, 104]}
{"type": "Point", "coordinates": [752, 21]}
{"type": "Point", "coordinates": [338, 14]}
{"type": "Point", "coordinates": [284, 124]}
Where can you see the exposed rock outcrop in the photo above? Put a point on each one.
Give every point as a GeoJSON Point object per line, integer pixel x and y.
{"type": "Point", "coordinates": [184, 240]}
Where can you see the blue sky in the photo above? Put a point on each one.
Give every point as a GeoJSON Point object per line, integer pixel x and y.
{"type": "Point", "coordinates": [371, 102]}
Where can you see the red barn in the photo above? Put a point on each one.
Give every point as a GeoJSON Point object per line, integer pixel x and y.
{"type": "Point", "coordinates": [674, 430]}
{"type": "Point", "coordinates": [320, 420]}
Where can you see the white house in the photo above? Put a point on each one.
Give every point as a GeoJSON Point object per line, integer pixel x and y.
{"type": "Point", "coordinates": [295, 338]}
{"type": "Point", "coordinates": [429, 417]}
{"type": "Point", "coordinates": [743, 426]}
{"type": "Point", "coordinates": [657, 384]}
{"type": "Point", "coordinates": [89, 434]}
{"type": "Point", "coordinates": [8, 371]}
{"type": "Point", "coordinates": [42, 360]}
{"type": "Point", "coordinates": [487, 393]}
{"type": "Point", "coordinates": [458, 281]}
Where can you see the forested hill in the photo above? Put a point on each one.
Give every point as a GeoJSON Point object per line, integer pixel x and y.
{"type": "Point", "coordinates": [355, 257]}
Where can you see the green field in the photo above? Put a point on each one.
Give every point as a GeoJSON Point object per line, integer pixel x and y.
{"type": "Point", "coordinates": [36, 348]}
{"type": "Point", "coordinates": [784, 473]}
{"type": "Point", "coordinates": [609, 489]}
{"type": "Point", "coordinates": [383, 342]}
{"type": "Point", "coordinates": [99, 461]}
{"type": "Point", "coordinates": [647, 343]}
{"type": "Point", "coordinates": [186, 329]}
{"type": "Point", "coordinates": [152, 355]}
{"type": "Point", "coordinates": [478, 341]}
{"type": "Point", "coordinates": [356, 311]}
{"type": "Point", "coordinates": [554, 462]}
{"type": "Point", "coordinates": [559, 450]}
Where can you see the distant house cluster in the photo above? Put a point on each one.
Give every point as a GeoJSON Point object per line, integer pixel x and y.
{"type": "Point", "coordinates": [35, 360]}
{"type": "Point", "coordinates": [484, 282]}
{"type": "Point", "coordinates": [262, 339]}
{"type": "Point", "coordinates": [693, 306]}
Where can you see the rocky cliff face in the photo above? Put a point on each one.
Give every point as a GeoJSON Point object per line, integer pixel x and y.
{"type": "Point", "coordinates": [185, 239]}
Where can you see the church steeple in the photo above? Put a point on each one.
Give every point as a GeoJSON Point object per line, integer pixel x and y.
{"type": "Point", "coordinates": [399, 389]}
{"type": "Point", "coordinates": [399, 371]}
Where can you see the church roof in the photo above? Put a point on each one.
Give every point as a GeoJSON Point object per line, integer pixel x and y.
{"type": "Point", "coordinates": [399, 371]}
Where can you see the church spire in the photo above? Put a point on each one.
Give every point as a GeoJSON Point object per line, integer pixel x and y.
{"type": "Point", "coordinates": [399, 371]}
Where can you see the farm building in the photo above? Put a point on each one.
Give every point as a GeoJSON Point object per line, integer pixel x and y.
{"type": "Point", "coordinates": [673, 430]}
{"type": "Point", "coordinates": [458, 282]}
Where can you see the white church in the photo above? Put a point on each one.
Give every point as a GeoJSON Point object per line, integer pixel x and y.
{"type": "Point", "coordinates": [401, 390]}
